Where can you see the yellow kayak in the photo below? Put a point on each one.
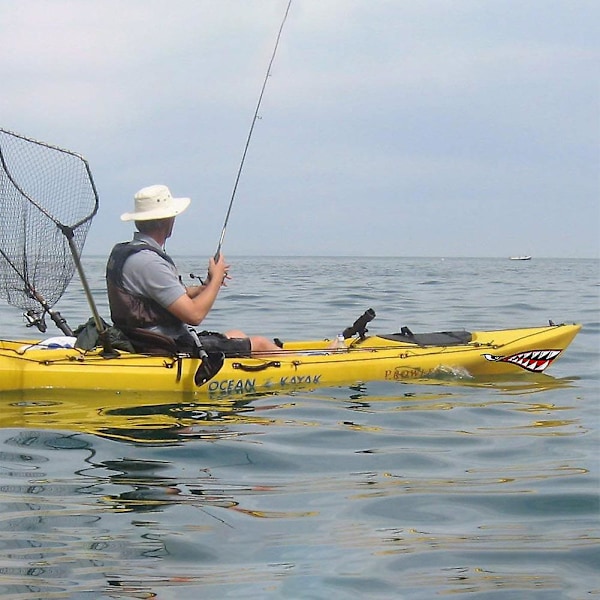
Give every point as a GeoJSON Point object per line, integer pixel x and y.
{"type": "Point", "coordinates": [37, 365]}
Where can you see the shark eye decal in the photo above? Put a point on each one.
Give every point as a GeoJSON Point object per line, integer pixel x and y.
{"type": "Point", "coordinates": [535, 361]}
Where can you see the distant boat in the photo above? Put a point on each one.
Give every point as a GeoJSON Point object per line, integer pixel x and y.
{"type": "Point", "coordinates": [520, 258]}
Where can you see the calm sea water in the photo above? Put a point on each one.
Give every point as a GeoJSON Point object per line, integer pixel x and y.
{"type": "Point", "coordinates": [385, 490]}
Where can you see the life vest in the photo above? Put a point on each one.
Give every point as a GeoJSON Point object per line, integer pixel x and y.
{"type": "Point", "coordinates": [129, 310]}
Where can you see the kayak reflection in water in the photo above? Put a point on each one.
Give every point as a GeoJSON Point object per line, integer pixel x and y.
{"type": "Point", "coordinates": [147, 298]}
{"type": "Point", "coordinates": [147, 489]}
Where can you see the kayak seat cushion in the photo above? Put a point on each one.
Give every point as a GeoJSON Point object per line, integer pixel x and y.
{"type": "Point", "coordinates": [149, 342]}
{"type": "Point", "coordinates": [440, 338]}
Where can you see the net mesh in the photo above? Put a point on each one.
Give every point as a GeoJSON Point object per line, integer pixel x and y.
{"type": "Point", "coordinates": [47, 196]}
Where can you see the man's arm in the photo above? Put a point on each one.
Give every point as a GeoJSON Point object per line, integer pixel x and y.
{"type": "Point", "coordinates": [193, 290]}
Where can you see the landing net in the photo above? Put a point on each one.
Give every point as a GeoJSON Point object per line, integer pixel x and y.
{"type": "Point", "coordinates": [47, 202]}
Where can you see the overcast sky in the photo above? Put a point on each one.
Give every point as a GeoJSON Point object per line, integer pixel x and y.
{"type": "Point", "coordinates": [388, 127]}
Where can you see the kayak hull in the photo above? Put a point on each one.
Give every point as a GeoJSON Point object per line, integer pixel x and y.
{"type": "Point", "coordinates": [24, 365]}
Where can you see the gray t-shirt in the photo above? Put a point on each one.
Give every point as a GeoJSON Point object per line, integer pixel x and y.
{"type": "Point", "coordinates": [147, 274]}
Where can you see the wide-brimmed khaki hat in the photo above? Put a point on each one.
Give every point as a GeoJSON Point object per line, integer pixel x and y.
{"type": "Point", "coordinates": [155, 202]}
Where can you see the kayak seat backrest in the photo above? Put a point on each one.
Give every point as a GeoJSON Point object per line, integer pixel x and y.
{"type": "Point", "coordinates": [149, 342]}
{"type": "Point", "coordinates": [440, 338]}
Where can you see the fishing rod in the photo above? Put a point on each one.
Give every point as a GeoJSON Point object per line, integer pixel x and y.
{"type": "Point", "coordinates": [254, 119]}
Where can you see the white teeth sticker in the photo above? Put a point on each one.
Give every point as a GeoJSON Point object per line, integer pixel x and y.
{"type": "Point", "coordinates": [535, 361]}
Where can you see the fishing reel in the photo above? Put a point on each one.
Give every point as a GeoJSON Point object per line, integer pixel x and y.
{"type": "Point", "coordinates": [206, 279]}
{"type": "Point", "coordinates": [36, 319]}
{"type": "Point", "coordinates": [192, 276]}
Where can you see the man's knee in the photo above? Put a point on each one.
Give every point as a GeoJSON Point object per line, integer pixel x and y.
{"type": "Point", "coordinates": [235, 333]}
{"type": "Point", "coordinates": [260, 343]}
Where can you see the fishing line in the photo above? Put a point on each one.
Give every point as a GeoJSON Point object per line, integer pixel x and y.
{"type": "Point", "coordinates": [254, 119]}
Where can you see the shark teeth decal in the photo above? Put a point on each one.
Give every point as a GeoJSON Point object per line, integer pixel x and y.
{"type": "Point", "coordinates": [535, 361]}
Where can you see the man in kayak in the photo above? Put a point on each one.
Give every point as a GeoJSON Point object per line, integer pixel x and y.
{"type": "Point", "coordinates": [145, 291]}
